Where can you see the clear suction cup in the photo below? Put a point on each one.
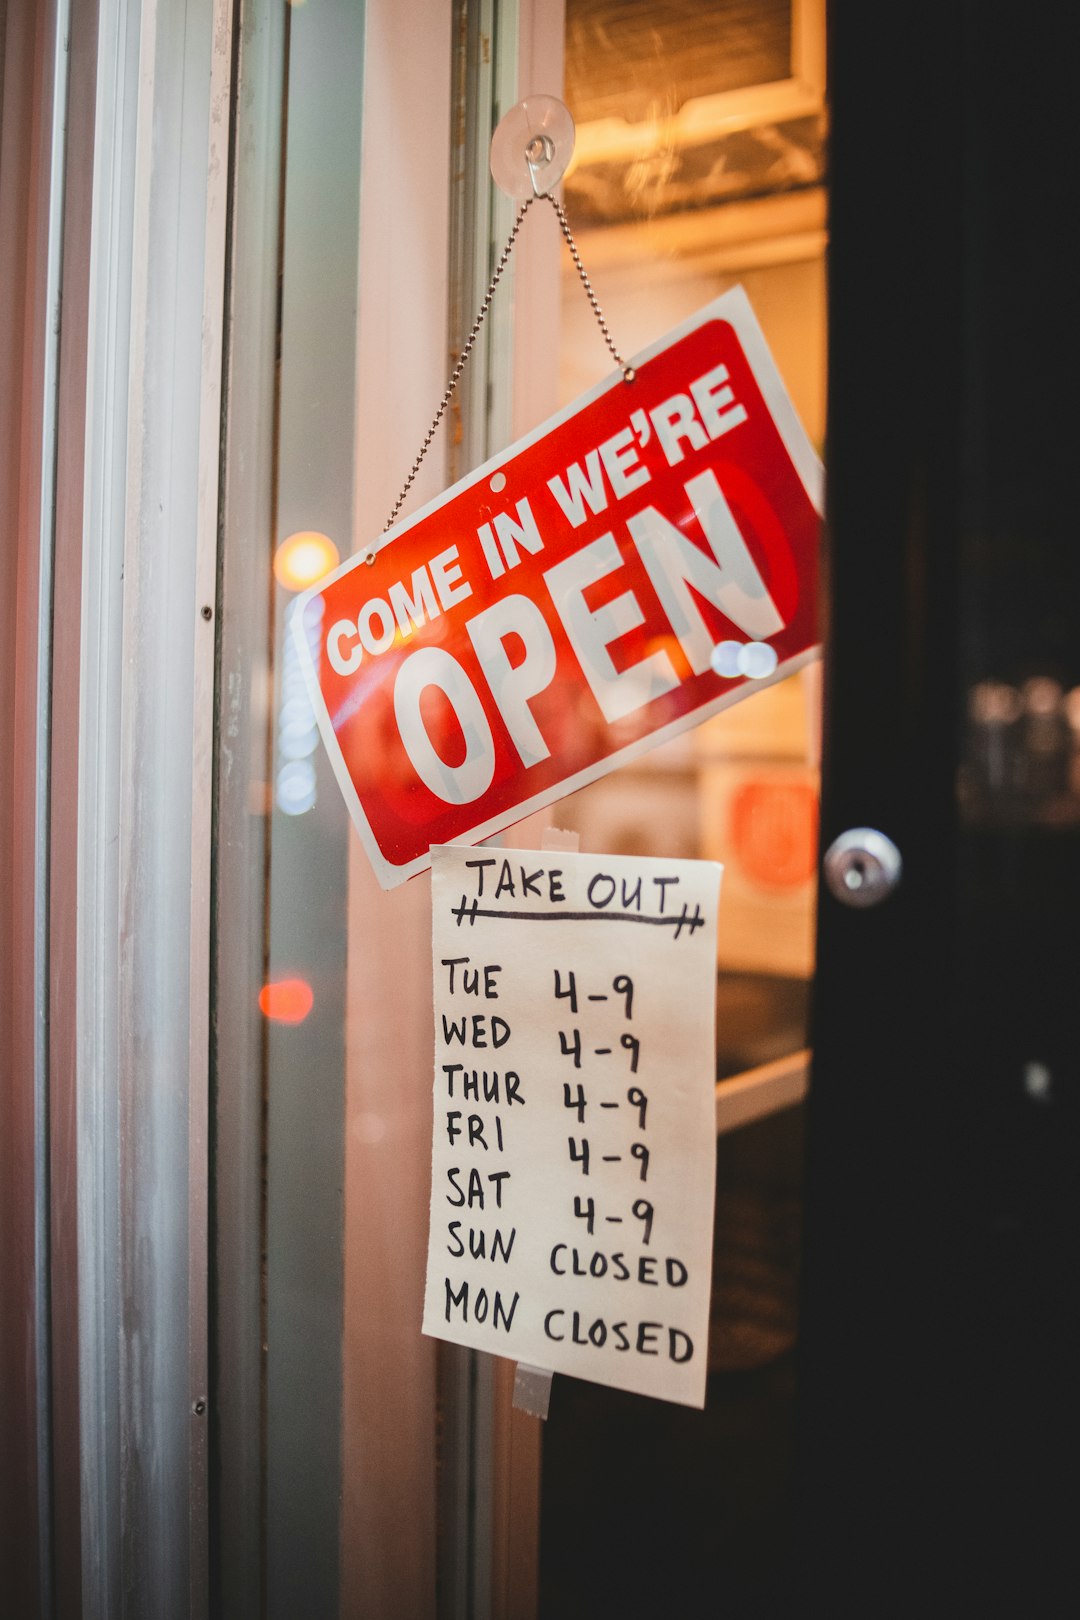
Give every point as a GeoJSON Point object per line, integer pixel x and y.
{"type": "Point", "coordinates": [532, 147]}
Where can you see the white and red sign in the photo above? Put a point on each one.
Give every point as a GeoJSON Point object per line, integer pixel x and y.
{"type": "Point", "coordinates": [556, 613]}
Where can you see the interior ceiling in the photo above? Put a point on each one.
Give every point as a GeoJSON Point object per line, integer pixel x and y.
{"type": "Point", "coordinates": [638, 59]}
{"type": "Point", "coordinates": [641, 61]}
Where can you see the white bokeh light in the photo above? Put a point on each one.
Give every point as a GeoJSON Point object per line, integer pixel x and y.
{"type": "Point", "coordinates": [754, 659]}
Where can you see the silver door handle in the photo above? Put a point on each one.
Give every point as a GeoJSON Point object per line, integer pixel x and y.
{"type": "Point", "coordinates": [862, 867]}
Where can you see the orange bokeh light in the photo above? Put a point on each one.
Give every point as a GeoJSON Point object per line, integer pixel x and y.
{"type": "Point", "coordinates": [303, 558]}
{"type": "Point", "coordinates": [286, 1001]}
{"type": "Point", "coordinates": [774, 832]}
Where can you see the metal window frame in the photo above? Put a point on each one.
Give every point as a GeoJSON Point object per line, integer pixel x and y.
{"type": "Point", "coordinates": [238, 1527]}
{"type": "Point", "coordinates": [116, 346]}
{"type": "Point", "coordinates": [148, 551]}
{"type": "Point", "coordinates": [32, 109]}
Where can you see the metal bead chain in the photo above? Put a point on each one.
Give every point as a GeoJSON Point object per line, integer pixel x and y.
{"type": "Point", "coordinates": [461, 362]}
{"type": "Point", "coordinates": [564, 225]}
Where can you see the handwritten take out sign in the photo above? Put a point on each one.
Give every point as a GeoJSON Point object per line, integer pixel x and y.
{"type": "Point", "coordinates": [555, 614]}
{"type": "Point", "coordinates": [574, 1144]}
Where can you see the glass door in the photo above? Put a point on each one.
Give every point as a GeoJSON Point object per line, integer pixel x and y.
{"type": "Point", "coordinates": [362, 1468]}
{"type": "Point", "coordinates": [245, 245]}
{"type": "Point", "coordinates": [887, 1241]}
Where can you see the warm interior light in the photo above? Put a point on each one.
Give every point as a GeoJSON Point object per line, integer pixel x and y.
{"type": "Point", "coordinates": [286, 1001]}
{"type": "Point", "coordinates": [303, 558]}
{"type": "Point", "coordinates": [774, 832]}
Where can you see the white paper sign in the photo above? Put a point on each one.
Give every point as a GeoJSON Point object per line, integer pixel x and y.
{"type": "Point", "coordinates": [574, 1149]}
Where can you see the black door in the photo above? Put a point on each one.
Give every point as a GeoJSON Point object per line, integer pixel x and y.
{"type": "Point", "coordinates": [936, 1368]}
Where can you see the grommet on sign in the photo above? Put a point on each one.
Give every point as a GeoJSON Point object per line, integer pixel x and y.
{"type": "Point", "coordinates": [530, 152]}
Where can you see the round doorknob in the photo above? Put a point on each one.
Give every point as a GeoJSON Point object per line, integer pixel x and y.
{"type": "Point", "coordinates": [862, 867]}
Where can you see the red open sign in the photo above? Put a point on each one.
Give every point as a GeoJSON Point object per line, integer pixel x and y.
{"type": "Point", "coordinates": [558, 612]}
